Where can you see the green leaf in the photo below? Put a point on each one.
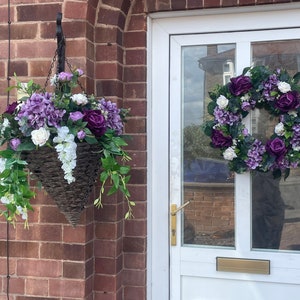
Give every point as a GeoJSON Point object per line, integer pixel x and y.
{"type": "Point", "coordinates": [116, 180]}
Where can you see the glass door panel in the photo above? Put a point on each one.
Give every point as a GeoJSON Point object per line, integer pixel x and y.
{"type": "Point", "coordinates": [206, 180]}
{"type": "Point", "coordinates": [275, 203]}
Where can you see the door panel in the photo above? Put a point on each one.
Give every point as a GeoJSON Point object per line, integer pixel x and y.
{"type": "Point", "coordinates": [224, 217]}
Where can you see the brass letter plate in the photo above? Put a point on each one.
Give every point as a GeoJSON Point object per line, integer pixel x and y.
{"type": "Point", "coordinates": [254, 266]}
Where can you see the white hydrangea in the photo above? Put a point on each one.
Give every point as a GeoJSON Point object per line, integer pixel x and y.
{"type": "Point", "coordinates": [2, 164]}
{"type": "Point", "coordinates": [66, 149]}
{"type": "Point", "coordinates": [4, 125]}
{"type": "Point", "coordinates": [79, 99]}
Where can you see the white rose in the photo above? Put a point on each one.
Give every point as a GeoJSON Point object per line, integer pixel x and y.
{"type": "Point", "coordinates": [229, 154]}
{"type": "Point", "coordinates": [293, 113]}
{"type": "Point", "coordinates": [279, 129]}
{"type": "Point", "coordinates": [40, 136]}
{"type": "Point", "coordinates": [79, 99]}
{"type": "Point", "coordinates": [283, 87]}
{"type": "Point", "coordinates": [2, 164]}
{"type": "Point", "coordinates": [222, 101]}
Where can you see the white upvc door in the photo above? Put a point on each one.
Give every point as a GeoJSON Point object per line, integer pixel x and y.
{"type": "Point", "coordinates": [218, 252]}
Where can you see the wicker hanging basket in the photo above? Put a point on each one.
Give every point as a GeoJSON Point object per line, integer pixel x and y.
{"type": "Point", "coordinates": [70, 198]}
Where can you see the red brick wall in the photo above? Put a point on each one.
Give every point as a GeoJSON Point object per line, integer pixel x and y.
{"type": "Point", "coordinates": [103, 258]}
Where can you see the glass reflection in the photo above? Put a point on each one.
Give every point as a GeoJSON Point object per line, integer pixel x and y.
{"type": "Point", "coordinates": [207, 182]}
{"type": "Point", "coordinates": [275, 204]}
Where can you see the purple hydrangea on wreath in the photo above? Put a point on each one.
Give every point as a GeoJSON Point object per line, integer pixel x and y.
{"type": "Point", "coordinates": [257, 88]}
{"type": "Point", "coordinates": [59, 120]}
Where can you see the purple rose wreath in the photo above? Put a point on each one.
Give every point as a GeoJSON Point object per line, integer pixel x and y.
{"type": "Point", "coordinates": [257, 88]}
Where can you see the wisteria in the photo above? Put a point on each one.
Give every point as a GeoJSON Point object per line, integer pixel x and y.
{"type": "Point", "coordinates": [255, 154]}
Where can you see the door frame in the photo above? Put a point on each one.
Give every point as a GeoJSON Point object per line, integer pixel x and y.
{"type": "Point", "coordinates": [160, 27]}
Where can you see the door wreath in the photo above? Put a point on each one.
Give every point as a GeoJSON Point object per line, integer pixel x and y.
{"type": "Point", "coordinates": [257, 88]}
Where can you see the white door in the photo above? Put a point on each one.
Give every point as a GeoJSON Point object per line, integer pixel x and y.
{"type": "Point", "coordinates": [228, 246]}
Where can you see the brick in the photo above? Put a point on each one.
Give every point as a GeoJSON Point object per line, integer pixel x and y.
{"type": "Point", "coordinates": [137, 176]}
{"type": "Point", "coordinates": [134, 244]}
{"type": "Point", "coordinates": [73, 270]}
{"type": "Point", "coordinates": [137, 107]}
{"type": "Point", "coordinates": [51, 214]}
{"type": "Point", "coordinates": [37, 287]}
{"type": "Point", "coordinates": [136, 57]}
{"type": "Point", "coordinates": [107, 248]}
{"type": "Point", "coordinates": [111, 17]}
{"type": "Point", "coordinates": [105, 88]}
{"type": "Point", "coordinates": [138, 159]}
{"type": "Point", "coordinates": [134, 278]}
{"type": "Point", "coordinates": [136, 125]}
{"type": "Point", "coordinates": [46, 12]}
{"type": "Point", "coordinates": [135, 228]}
{"type": "Point", "coordinates": [178, 4]}
{"type": "Point", "coordinates": [110, 52]}
{"type": "Point", "coordinates": [109, 35]}
{"type": "Point", "coordinates": [135, 90]}
{"type": "Point", "coordinates": [192, 4]}
{"type": "Point", "coordinates": [109, 213]}
{"type": "Point", "coordinates": [108, 230]}
{"type": "Point", "coordinates": [39, 68]}
{"type": "Point", "coordinates": [164, 5]}
{"type": "Point", "coordinates": [131, 293]}
{"type": "Point", "coordinates": [39, 233]}
{"type": "Point", "coordinates": [16, 285]}
{"type": "Point", "coordinates": [20, 249]}
{"type": "Point", "coordinates": [135, 261]}
{"type": "Point", "coordinates": [18, 67]}
{"type": "Point", "coordinates": [137, 142]}
{"type": "Point", "coordinates": [135, 39]}
{"type": "Point", "coordinates": [75, 10]}
{"type": "Point", "coordinates": [137, 22]}
{"type": "Point", "coordinates": [67, 288]}
{"type": "Point", "coordinates": [108, 266]}
{"type": "Point", "coordinates": [109, 71]}
{"type": "Point", "coordinates": [107, 283]}
{"type": "Point", "coordinates": [211, 3]}
{"type": "Point", "coordinates": [40, 49]}
{"type": "Point", "coordinates": [39, 268]}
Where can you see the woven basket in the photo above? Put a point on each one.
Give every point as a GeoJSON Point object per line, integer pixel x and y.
{"type": "Point", "coordinates": [70, 198]}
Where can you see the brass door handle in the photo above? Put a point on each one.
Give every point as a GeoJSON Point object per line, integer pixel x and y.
{"type": "Point", "coordinates": [173, 221]}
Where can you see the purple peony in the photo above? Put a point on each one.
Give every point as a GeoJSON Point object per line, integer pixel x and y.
{"type": "Point", "coordinates": [219, 140]}
{"type": "Point", "coordinates": [14, 143]}
{"type": "Point", "coordinates": [11, 108]}
{"type": "Point", "coordinates": [76, 115]}
{"type": "Point", "coordinates": [95, 122]}
{"type": "Point", "coordinates": [288, 101]}
{"type": "Point", "coordinates": [240, 85]}
{"type": "Point", "coordinates": [276, 147]}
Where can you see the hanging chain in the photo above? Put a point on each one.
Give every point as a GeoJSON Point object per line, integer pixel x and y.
{"type": "Point", "coordinates": [52, 68]}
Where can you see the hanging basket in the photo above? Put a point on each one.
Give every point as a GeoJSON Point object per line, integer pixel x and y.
{"type": "Point", "coordinates": [70, 198]}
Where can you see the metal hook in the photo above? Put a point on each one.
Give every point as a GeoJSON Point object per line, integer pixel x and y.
{"type": "Point", "coordinates": [60, 44]}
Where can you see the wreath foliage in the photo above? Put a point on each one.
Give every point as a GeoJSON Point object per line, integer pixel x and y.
{"type": "Point", "coordinates": [257, 88]}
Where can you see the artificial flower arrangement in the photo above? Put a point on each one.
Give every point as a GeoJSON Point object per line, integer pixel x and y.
{"type": "Point", "coordinates": [257, 88]}
{"type": "Point", "coordinates": [61, 120]}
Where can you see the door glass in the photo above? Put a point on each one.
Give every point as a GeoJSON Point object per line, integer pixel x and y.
{"type": "Point", "coordinates": [275, 203]}
{"type": "Point", "coordinates": [207, 182]}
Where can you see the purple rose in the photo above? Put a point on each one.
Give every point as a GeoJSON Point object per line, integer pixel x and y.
{"type": "Point", "coordinates": [95, 122]}
{"type": "Point", "coordinates": [81, 134]}
{"type": "Point", "coordinates": [80, 72]}
{"type": "Point", "coordinates": [76, 115]}
{"type": "Point", "coordinates": [219, 140]}
{"type": "Point", "coordinates": [14, 143]}
{"type": "Point", "coordinates": [240, 85]}
{"type": "Point", "coordinates": [11, 108]}
{"type": "Point", "coordinates": [276, 147]}
{"type": "Point", "coordinates": [288, 101]}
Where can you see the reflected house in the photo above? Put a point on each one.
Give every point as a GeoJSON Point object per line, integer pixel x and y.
{"type": "Point", "coordinates": [207, 185]}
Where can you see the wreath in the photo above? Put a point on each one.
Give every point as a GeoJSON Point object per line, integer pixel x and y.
{"type": "Point", "coordinates": [257, 88]}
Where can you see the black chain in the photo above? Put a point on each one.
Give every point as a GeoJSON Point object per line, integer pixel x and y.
{"type": "Point", "coordinates": [52, 67]}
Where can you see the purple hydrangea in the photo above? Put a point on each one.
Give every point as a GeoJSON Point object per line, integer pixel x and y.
{"type": "Point", "coordinates": [39, 111]}
{"type": "Point", "coordinates": [112, 115]}
{"type": "Point", "coordinates": [270, 86]}
{"type": "Point", "coordinates": [224, 117]}
{"type": "Point", "coordinates": [295, 141]}
{"type": "Point", "coordinates": [255, 154]}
